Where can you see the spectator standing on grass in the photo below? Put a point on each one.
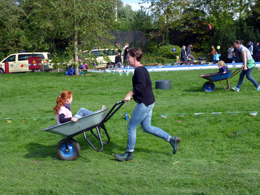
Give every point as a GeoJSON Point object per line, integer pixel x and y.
{"type": "Point", "coordinates": [183, 54]}
{"type": "Point", "coordinates": [236, 54]}
{"type": "Point", "coordinates": [126, 48]}
{"type": "Point", "coordinates": [118, 60]}
{"type": "Point", "coordinates": [247, 67]}
{"type": "Point", "coordinates": [143, 95]}
{"type": "Point", "coordinates": [118, 48]}
{"type": "Point", "coordinates": [189, 53]}
{"type": "Point", "coordinates": [230, 54]}
{"type": "Point", "coordinates": [234, 58]}
{"type": "Point", "coordinates": [212, 53]}
{"type": "Point", "coordinates": [250, 48]}
{"type": "Point", "coordinates": [257, 52]}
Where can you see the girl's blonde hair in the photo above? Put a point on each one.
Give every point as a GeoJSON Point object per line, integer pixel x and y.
{"type": "Point", "coordinates": [61, 100]}
{"type": "Point", "coordinates": [221, 63]}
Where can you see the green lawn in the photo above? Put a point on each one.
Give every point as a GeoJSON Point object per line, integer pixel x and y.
{"type": "Point", "coordinates": [217, 155]}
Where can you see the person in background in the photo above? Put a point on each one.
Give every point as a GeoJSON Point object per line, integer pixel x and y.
{"type": "Point", "coordinates": [212, 53]}
{"type": "Point", "coordinates": [126, 47]}
{"type": "Point", "coordinates": [189, 53]}
{"type": "Point", "coordinates": [257, 52]}
{"type": "Point", "coordinates": [216, 57]}
{"type": "Point", "coordinates": [230, 54]}
{"type": "Point", "coordinates": [222, 67]}
{"type": "Point", "coordinates": [142, 93]}
{"type": "Point", "coordinates": [183, 54]}
{"type": "Point", "coordinates": [236, 54]}
{"type": "Point", "coordinates": [234, 58]}
{"type": "Point", "coordinates": [250, 48]}
{"type": "Point", "coordinates": [118, 60]}
{"type": "Point", "coordinates": [117, 47]}
{"type": "Point", "coordinates": [247, 67]}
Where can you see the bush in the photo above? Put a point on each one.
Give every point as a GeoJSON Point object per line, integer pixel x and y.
{"type": "Point", "coordinates": [150, 59]}
{"type": "Point", "coordinates": [166, 51]}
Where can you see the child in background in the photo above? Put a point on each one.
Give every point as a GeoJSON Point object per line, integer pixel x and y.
{"type": "Point", "coordinates": [216, 57]}
{"type": "Point", "coordinates": [222, 67]}
{"type": "Point", "coordinates": [234, 58]}
{"type": "Point", "coordinates": [63, 111]}
{"type": "Point", "coordinates": [178, 59]}
{"type": "Point", "coordinates": [118, 60]}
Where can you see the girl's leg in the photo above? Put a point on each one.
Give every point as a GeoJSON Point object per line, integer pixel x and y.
{"type": "Point", "coordinates": [137, 117]}
{"type": "Point", "coordinates": [146, 125]}
{"type": "Point", "coordinates": [241, 78]}
{"type": "Point", "coordinates": [82, 112]}
{"type": "Point", "coordinates": [250, 78]}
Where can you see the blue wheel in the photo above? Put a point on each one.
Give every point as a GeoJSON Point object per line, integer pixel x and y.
{"type": "Point", "coordinates": [70, 153]}
{"type": "Point", "coordinates": [208, 87]}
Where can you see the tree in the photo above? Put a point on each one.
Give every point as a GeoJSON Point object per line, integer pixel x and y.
{"type": "Point", "coordinates": [125, 18]}
{"type": "Point", "coordinates": [72, 20]}
{"type": "Point", "coordinates": [166, 14]}
{"type": "Point", "coordinates": [12, 36]}
{"type": "Point", "coordinates": [142, 20]}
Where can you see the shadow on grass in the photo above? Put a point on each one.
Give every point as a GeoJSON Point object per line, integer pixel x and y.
{"type": "Point", "coordinates": [111, 147]}
{"type": "Point", "coordinates": [36, 150]}
{"type": "Point", "coordinates": [199, 89]}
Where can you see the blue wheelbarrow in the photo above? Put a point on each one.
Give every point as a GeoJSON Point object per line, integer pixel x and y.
{"type": "Point", "coordinates": [68, 148]}
{"type": "Point", "coordinates": [213, 77]}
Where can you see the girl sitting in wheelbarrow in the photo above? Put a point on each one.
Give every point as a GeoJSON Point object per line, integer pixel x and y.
{"type": "Point", "coordinates": [222, 67]}
{"type": "Point", "coordinates": [63, 111]}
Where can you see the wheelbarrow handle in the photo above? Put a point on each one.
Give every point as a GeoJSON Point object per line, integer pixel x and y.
{"type": "Point", "coordinates": [113, 110]}
{"type": "Point", "coordinates": [120, 102]}
{"type": "Point", "coordinates": [235, 72]}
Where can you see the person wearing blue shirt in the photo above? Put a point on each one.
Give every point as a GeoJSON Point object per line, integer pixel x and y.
{"type": "Point", "coordinates": [216, 57]}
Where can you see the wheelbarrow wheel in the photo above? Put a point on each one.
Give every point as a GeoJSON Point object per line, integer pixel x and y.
{"type": "Point", "coordinates": [73, 151]}
{"type": "Point", "coordinates": [208, 87]}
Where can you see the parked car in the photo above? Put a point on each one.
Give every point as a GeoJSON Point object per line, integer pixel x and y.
{"type": "Point", "coordinates": [111, 54]}
{"type": "Point", "coordinates": [18, 62]}
{"type": "Point", "coordinates": [98, 57]}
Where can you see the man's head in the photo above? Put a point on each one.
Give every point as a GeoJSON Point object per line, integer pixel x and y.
{"type": "Point", "coordinates": [257, 44]}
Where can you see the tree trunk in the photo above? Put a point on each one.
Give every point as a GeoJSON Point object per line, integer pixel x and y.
{"type": "Point", "coordinates": [76, 53]}
{"type": "Point", "coordinates": [76, 45]}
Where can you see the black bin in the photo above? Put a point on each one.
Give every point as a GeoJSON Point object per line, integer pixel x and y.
{"type": "Point", "coordinates": [163, 84]}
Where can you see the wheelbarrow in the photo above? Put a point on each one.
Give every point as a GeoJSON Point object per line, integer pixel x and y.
{"type": "Point", "coordinates": [213, 77]}
{"type": "Point", "coordinates": [68, 148]}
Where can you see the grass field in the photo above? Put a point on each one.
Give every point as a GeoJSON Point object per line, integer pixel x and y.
{"type": "Point", "coordinates": [217, 155]}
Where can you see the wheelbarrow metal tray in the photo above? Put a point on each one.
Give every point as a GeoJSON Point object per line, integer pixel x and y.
{"type": "Point", "coordinates": [217, 76]}
{"type": "Point", "coordinates": [70, 128]}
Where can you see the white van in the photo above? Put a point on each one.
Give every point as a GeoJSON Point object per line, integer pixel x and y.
{"type": "Point", "coordinates": [111, 54]}
{"type": "Point", "coordinates": [18, 62]}
{"type": "Point", "coordinates": [102, 56]}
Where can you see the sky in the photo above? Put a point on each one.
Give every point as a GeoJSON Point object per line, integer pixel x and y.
{"type": "Point", "coordinates": [134, 4]}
